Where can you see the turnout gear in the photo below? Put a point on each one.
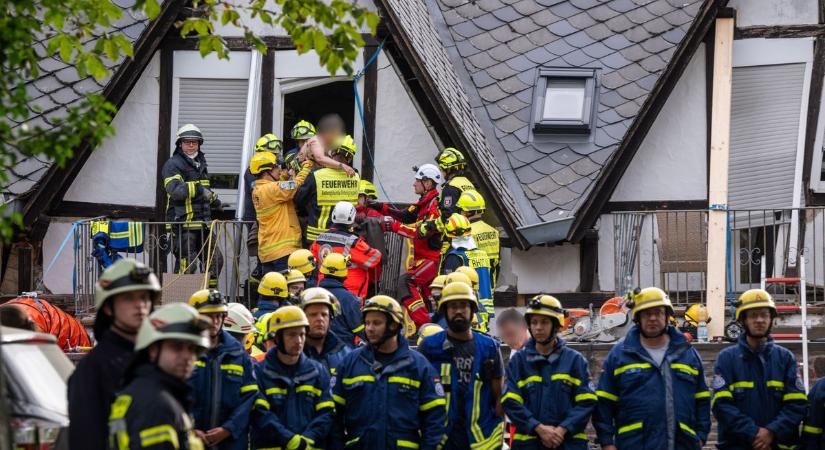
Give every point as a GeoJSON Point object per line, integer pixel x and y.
{"type": "Point", "coordinates": [224, 390]}
{"type": "Point", "coordinates": [239, 320]}
{"type": "Point", "coordinates": [323, 189]}
{"type": "Point", "coordinates": [335, 265]}
{"type": "Point", "coordinates": [548, 390]}
{"type": "Point", "coordinates": [344, 254]}
{"type": "Point", "coordinates": [302, 130]}
{"type": "Point", "coordinates": [343, 213]}
{"type": "Point", "coordinates": [269, 143]}
{"type": "Point", "coordinates": [814, 424]}
{"type": "Point", "coordinates": [464, 253]}
{"type": "Point", "coordinates": [649, 298]}
{"type": "Point", "coordinates": [263, 161]}
{"type": "Point", "coordinates": [642, 405]}
{"type": "Point", "coordinates": [487, 239]}
{"type": "Point", "coordinates": [303, 261]}
{"type": "Point", "coordinates": [345, 146]}
{"type": "Point", "coordinates": [403, 387]}
{"type": "Point", "coordinates": [189, 131]}
{"type": "Point", "coordinates": [428, 172]}
{"type": "Point", "coordinates": [753, 299]}
{"type": "Point", "coordinates": [332, 353]}
{"type": "Point", "coordinates": [450, 159]}
{"type": "Point", "coordinates": [295, 409]}
{"type": "Point", "coordinates": [755, 389]}
{"type": "Point", "coordinates": [209, 301]}
{"type": "Point", "coordinates": [287, 317]}
{"type": "Point", "coordinates": [347, 325]}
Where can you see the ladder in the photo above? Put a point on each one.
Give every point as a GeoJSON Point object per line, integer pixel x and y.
{"type": "Point", "coordinates": [802, 308]}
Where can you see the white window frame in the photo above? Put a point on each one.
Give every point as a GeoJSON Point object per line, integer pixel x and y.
{"type": "Point", "coordinates": [574, 126]}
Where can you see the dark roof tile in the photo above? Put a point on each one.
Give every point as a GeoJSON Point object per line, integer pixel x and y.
{"type": "Point", "coordinates": [466, 49]}
{"type": "Point", "coordinates": [656, 26]}
{"type": "Point", "coordinates": [564, 9]}
{"type": "Point", "coordinates": [602, 13]}
{"type": "Point", "coordinates": [561, 47]}
{"type": "Point", "coordinates": [484, 41]}
{"type": "Point", "coordinates": [585, 167]}
{"type": "Point", "coordinates": [501, 71]}
{"type": "Point", "coordinates": [470, 11]}
{"type": "Point", "coordinates": [509, 124]}
{"type": "Point", "coordinates": [628, 109]}
{"type": "Point", "coordinates": [577, 59]}
{"type": "Point", "coordinates": [513, 85]}
{"type": "Point", "coordinates": [543, 186]}
{"type": "Point", "coordinates": [617, 42]}
{"type": "Point", "coordinates": [525, 96]}
{"type": "Point", "coordinates": [581, 20]}
{"type": "Point", "coordinates": [674, 36]}
{"type": "Point", "coordinates": [523, 134]}
{"type": "Point", "coordinates": [527, 154]}
{"type": "Point", "coordinates": [562, 196]}
{"type": "Point", "coordinates": [504, 34]}
{"type": "Point", "coordinates": [492, 93]}
{"type": "Point", "coordinates": [501, 53]}
{"type": "Point", "coordinates": [545, 18]}
{"type": "Point", "coordinates": [482, 60]}
{"type": "Point", "coordinates": [622, 6]}
{"type": "Point", "coordinates": [581, 185]}
{"type": "Point", "coordinates": [653, 63]}
{"type": "Point", "coordinates": [564, 156]}
{"type": "Point", "coordinates": [482, 78]}
{"type": "Point", "coordinates": [615, 131]}
{"type": "Point", "coordinates": [527, 174]}
{"type": "Point", "coordinates": [578, 40]}
{"type": "Point", "coordinates": [495, 112]}
{"type": "Point", "coordinates": [489, 5]}
{"type": "Point", "coordinates": [619, 24]}
{"type": "Point", "coordinates": [564, 176]}
{"type": "Point", "coordinates": [511, 104]}
{"type": "Point", "coordinates": [521, 63]}
{"type": "Point", "coordinates": [524, 114]}
{"type": "Point", "coordinates": [659, 8]}
{"type": "Point", "coordinates": [584, 4]}
{"type": "Point", "coordinates": [527, 7]}
{"type": "Point", "coordinates": [615, 61]}
{"type": "Point", "coordinates": [601, 156]}
{"type": "Point", "coordinates": [597, 50]}
{"type": "Point", "coordinates": [635, 53]}
{"type": "Point", "coordinates": [524, 25]}
{"type": "Point", "coordinates": [467, 29]}
{"type": "Point", "coordinates": [539, 55]}
{"type": "Point", "coordinates": [562, 28]}
{"type": "Point", "coordinates": [611, 99]}
{"type": "Point", "coordinates": [599, 32]}
{"type": "Point", "coordinates": [656, 44]}
{"type": "Point", "coordinates": [521, 45]}
{"type": "Point", "coordinates": [488, 22]}
{"type": "Point", "coordinates": [452, 17]}
{"type": "Point", "coordinates": [633, 72]}
{"type": "Point", "coordinates": [636, 34]}
{"type": "Point", "coordinates": [632, 91]}
{"type": "Point", "coordinates": [640, 16]}
{"type": "Point", "coordinates": [547, 166]}
{"type": "Point", "coordinates": [542, 37]}
{"type": "Point", "coordinates": [507, 14]}
{"type": "Point", "coordinates": [454, 3]}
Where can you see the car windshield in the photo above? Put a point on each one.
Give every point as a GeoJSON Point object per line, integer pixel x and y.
{"type": "Point", "coordinates": [37, 374]}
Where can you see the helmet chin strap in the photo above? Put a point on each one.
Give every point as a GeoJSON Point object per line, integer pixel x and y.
{"type": "Point", "coordinates": [550, 337]}
{"type": "Point", "coordinates": [388, 334]}
{"type": "Point", "coordinates": [749, 334]}
{"type": "Point", "coordinates": [642, 331]}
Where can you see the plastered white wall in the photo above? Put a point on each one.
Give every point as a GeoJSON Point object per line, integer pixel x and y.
{"type": "Point", "coordinates": [607, 271]}
{"type": "Point", "coordinates": [774, 12]}
{"type": "Point", "coordinates": [402, 139]}
{"type": "Point", "coordinates": [123, 170]}
{"type": "Point", "coordinates": [546, 269]}
{"type": "Point", "coordinates": [671, 163]}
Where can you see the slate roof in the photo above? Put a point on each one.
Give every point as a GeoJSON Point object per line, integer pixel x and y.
{"type": "Point", "coordinates": [496, 48]}
{"type": "Point", "coordinates": [57, 88]}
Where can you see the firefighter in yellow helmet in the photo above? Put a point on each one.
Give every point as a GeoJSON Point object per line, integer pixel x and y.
{"type": "Point", "coordinates": [304, 261]}
{"type": "Point", "coordinates": [296, 283]}
{"type": "Point", "coordinates": [471, 370]}
{"type": "Point", "coordinates": [758, 393]}
{"type": "Point", "coordinates": [366, 194]}
{"type": "Point", "coordinates": [279, 233]}
{"type": "Point", "coordinates": [471, 204]}
{"type": "Point", "coordinates": [272, 294]}
{"type": "Point", "coordinates": [654, 365]}
{"type": "Point", "coordinates": [464, 252]}
{"type": "Point", "coordinates": [152, 409]}
{"type": "Point", "coordinates": [321, 307]}
{"type": "Point", "coordinates": [387, 376]}
{"type": "Point", "coordinates": [223, 384]}
{"type": "Point", "coordinates": [452, 164]}
{"type": "Point", "coordinates": [295, 408]}
{"type": "Point", "coordinates": [435, 293]}
{"type": "Point", "coordinates": [426, 330]}
{"type": "Point", "coordinates": [536, 380]}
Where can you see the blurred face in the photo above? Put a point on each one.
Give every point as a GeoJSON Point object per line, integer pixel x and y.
{"type": "Point", "coordinates": [130, 308]}
{"type": "Point", "coordinates": [459, 315]}
{"type": "Point", "coordinates": [541, 327]}
{"type": "Point", "coordinates": [296, 288]}
{"type": "Point", "coordinates": [292, 341]}
{"type": "Point", "coordinates": [330, 137]}
{"type": "Point", "coordinates": [653, 321]}
{"type": "Point", "coordinates": [215, 323]}
{"type": "Point", "coordinates": [189, 146]}
{"type": "Point", "coordinates": [177, 358]}
{"type": "Point", "coordinates": [375, 326]}
{"type": "Point", "coordinates": [362, 200]}
{"type": "Point", "coordinates": [512, 333]}
{"type": "Point", "coordinates": [318, 316]}
{"type": "Point", "coordinates": [758, 322]}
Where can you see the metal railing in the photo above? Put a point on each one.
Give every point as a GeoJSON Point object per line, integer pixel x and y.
{"type": "Point", "coordinates": [669, 249]}
{"type": "Point", "coordinates": [186, 256]}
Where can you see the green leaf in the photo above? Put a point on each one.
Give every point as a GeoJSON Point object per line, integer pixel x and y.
{"type": "Point", "coordinates": [372, 22]}
{"type": "Point", "coordinates": [151, 8]}
{"type": "Point", "coordinates": [66, 50]}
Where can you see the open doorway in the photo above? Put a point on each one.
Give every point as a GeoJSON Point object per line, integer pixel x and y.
{"type": "Point", "coordinates": [312, 103]}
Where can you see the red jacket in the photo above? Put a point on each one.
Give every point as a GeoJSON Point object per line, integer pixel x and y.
{"type": "Point", "coordinates": [52, 320]}
{"type": "Point", "coordinates": [363, 258]}
{"type": "Point", "coordinates": [426, 245]}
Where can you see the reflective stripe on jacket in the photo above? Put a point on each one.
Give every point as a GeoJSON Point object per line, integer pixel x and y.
{"type": "Point", "coordinates": [363, 258]}
{"type": "Point", "coordinates": [324, 188]}
{"type": "Point", "coordinates": [813, 437]}
{"type": "Point", "coordinates": [488, 239]}
{"type": "Point", "coordinates": [184, 180]}
{"type": "Point", "coordinates": [279, 232]}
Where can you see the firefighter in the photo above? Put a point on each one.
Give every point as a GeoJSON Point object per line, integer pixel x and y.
{"type": "Point", "coordinates": [223, 383]}
{"type": "Point", "coordinates": [386, 395]}
{"type": "Point", "coordinates": [366, 194]}
{"type": "Point", "coordinates": [438, 315]}
{"type": "Point", "coordinates": [279, 232]}
{"type": "Point", "coordinates": [427, 330]}
{"type": "Point", "coordinates": [340, 239]}
{"type": "Point", "coordinates": [549, 396]}
{"type": "Point", "coordinates": [327, 186]}
{"type": "Point", "coordinates": [758, 394]}
{"type": "Point", "coordinates": [296, 283]}
{"type": "Point", "coordinates": [464, 252]}
{"type": "Point", "coordinates": [452, 163]}
{"type": "Point", "coordinates": [304, 261]}
{"type": "Point", "coordinates": [471, 204]}
{"type": "Point", "coordinates": [471, 370]}
{"type": "Point", "coordinates": [347, 325]}
{"type": "Point", "coordinates": [814, 424]}
{"type": "Point", "coordinates": [435, 293]}
{"type": "Point", "coordinates": [152, 410]}
{"type": "Point", "coordinates": [272, 294]}
{"type": "Point", "coordinates": [240, 324]}
{"type": "Point", "coordinates": [485, 306]}
{"type": "Point", "coordinates": [124, 295]}
{"type": "Point", "coordinates": [652, 391]}
{"type": "Point", "coordinates": [301, 132]}
{"type": "Point", "coordinates": [190, 202]}
{"type": "Point", "coordinates": [295, 408]}
{"type": "Point", "coordinates": [322, 345]}
{"type": "Point", "coordinates": [316, 147]}
{"type": "Point", "coordinates": [413, 287]}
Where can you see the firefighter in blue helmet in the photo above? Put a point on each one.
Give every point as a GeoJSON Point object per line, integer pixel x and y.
{"type": "Point", "coordinates": [295, 409]}
{"type": "Point", "coordinates": [471, 370]}
{"type": "Point", "coordinates": [652, 391]}
{"type": "Point", "coordinates": [758, 396]}
{"type": "Point", "coordinates": [549, 396]}
{"type": "Point", "coordinates": [223, 384]}
{"type": "Point", "coordinates": [386, 394]}
{"type": "Point", "coordinates": [322, 345]}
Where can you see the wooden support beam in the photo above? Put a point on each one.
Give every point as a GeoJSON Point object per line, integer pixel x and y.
{"type": "Point", "coordinates": [718, 188]}
{"type": "Point", "coordinates": [369, 98]}
{"type": "Point", "coordinates": [25, 279]}
{"type": "Point", "coordinates": [780, 31]}
{"type": "Point", "coordinates": [267, 92]}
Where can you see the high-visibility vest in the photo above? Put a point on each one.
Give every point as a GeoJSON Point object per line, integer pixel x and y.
{"type": "Point", "coordinates": [487, 238]}
{"type": "Point", "coordinates": [331, 186]}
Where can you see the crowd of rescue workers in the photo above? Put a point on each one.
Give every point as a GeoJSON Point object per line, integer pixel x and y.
{"type": "Point", "coordinates": [324, 362]}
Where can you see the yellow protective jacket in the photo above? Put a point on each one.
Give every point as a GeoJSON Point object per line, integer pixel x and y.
{"type": "Point", "coordinates": [279, 232]}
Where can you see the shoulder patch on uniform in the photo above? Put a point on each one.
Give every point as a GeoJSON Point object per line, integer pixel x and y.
{"type": "Point", "coordinates": [592, 386]}
{"type": "Point", "coordinates": [287, 184]}
{"type": "Point", "coordinates": [717, 383]}
{"type": "Point", "coordinates": [332, 382]}
{"type": "Point", "coordinates": [448, 202]}
{"type": "Point", "coordinates": [439, 389]}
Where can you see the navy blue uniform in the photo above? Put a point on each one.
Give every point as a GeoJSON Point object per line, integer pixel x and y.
{"type": "Point", "coordinates": [348, 322]}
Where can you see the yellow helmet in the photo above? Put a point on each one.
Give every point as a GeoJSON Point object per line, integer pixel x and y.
{"type": "Point", "coordinates": [262, 161]}
{"type": "Point", "coordinates": [471, 273]}
{"type": "Point", "coordinates": [367, 188]}
{"type": "Point", "coordinates": [345, 145]}
{"type": "Point", "coordinates": [335, 265]}
{"type": "Point", "coordinates": [457, 276]}
{"type": "Point", "coordinates": [458, 291]}
{"type": "Point", "coordinates": [262, 327]}
{"type": "Point", "coordinates": [697, 313]}
{"type": "Point", "coordinates": [287, 317]}
{"type": "Point", "coordinates": [427, 330]}
{"type": "Point", "coordinates": [457, 226]}
{"type": "Point", "coordinates": [386, 305]}
{"type": "Point", "coordinates": [269, 143]}
{"type": "Point", "coordinates": [175, 321]}
{"type": "Point", "coordinates": [273, 284]}
{"type": "Point", "coordinates": [438, 282]}
{"type": "Point", "coordinates": [295, 276]}
{"type": "Point", "coordinates": [647, 298]}
{"type": "Point", "coordinates": [302, 260]}
{"type": "Point", "coordinates": [319, 296]}
{"type": "Point", "coordinates": [546, 305]}
{"type": "Point", "coordinates": [471, 201]}
{"type": "Point", "coordinates": [302, 130]}
{"type": "Point", "coordinates": [753, 299]}
{"type": "Point", "coordinates": [208, 301]}
{"type": "Point", "coordinates": [450, 158]}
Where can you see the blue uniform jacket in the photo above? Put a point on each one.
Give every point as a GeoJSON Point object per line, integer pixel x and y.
{"type": "Point", "coordinates": [645, 407]}
{"type": "Point", "coordinates": [347, 323]}
{"type": "Point", "coordinates": [397, 406]}
{"type": "Point", "coordinates": [224, 390]}
{"type": "Point", "coordinates": [757, 389]}
{"type": "Point", "coordinates": [332, 354]}
{"type": "Point", "coordinates": [550, 390]}
{"type": "Point", "coordinates": [812, 429]}
{"type": "Point", "coordinates": [286, 406]}
{"type": "Point", "coordinates": [264, 307]}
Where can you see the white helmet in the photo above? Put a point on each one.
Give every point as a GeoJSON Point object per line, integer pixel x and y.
{"type": "Point", "coordinates": [189, 131]}
{"type": "Point", "coordinates": [343, 213]}
{"type": "Point", "coordinates": [239, 319]}
{"type": "Point", "coordinates": [429, 171]}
